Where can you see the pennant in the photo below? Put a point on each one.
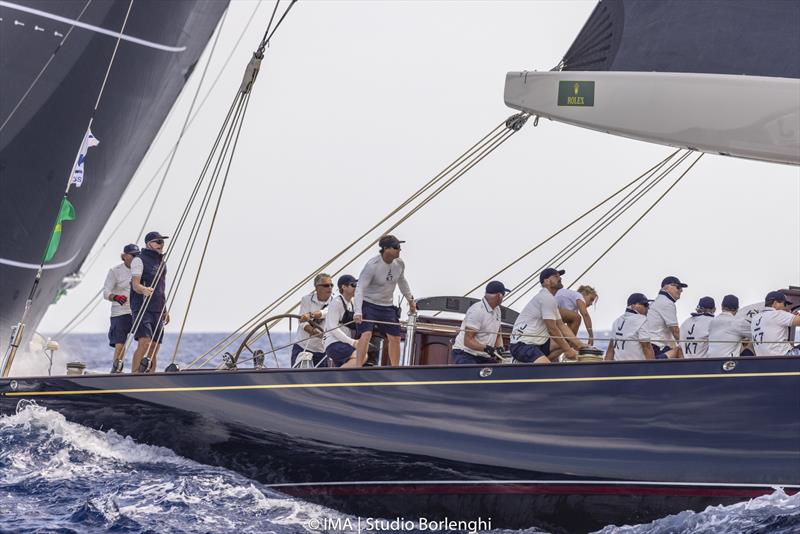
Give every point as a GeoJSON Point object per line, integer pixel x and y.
{"type": "Point", "coordinates": [89, 140]}
{"type": "Point", "coordinates": [65, 213]}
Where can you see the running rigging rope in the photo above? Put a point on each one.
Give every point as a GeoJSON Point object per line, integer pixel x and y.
{"type": "Point", "coordinates": [497, 136]}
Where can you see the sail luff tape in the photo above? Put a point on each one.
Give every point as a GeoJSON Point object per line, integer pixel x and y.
{"type": "Point", "coordinates": [250, 73]}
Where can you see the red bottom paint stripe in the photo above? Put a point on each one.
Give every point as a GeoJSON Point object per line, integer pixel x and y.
{"type": "Point", "coordinates": [525, 489]}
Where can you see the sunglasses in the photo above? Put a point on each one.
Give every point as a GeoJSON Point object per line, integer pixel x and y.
{"type": "Point", "coordinates": [352, 285]}
{"type": "Point", "coordinates": [158, 241]}
{"type": "Point", "coordinates": [325, 285]}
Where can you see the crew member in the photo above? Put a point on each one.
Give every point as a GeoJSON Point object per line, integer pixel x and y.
{"type": "Point", "coordinates": [313, 308]}
{"type": "Point", "coordinates": [574, 306]}
{"type": "Point", "coordinates": [339, 345]}
{"type": "Point", "coordinates": [540, 322]}
{"type": "Point", "coordinates": [148, 279]}
{"type": "Point", "coordinates": [726, 331]}
{"type": "Point", "coordinates": [662, 319]}
{"type": "Point", "coordinates": [770, 328]}
{"type": "Point", "coordinates": [694, 333]}
{"type": "Point", "coordinates": [479, 337]}
{"type": "Point", "coordinates": [373, 299]}
{"type": "Point", "coordinates": [117, 288]}
{"type": "Point", "coordinates": [631, 340]}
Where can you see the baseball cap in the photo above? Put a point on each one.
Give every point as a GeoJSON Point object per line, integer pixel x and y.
{"type": "Point", "coordinates": [638, 298]}
{"type": "Point", "coordinates": [496, 287]}
{"type": "Point", "coordinates": [731, 302]}
{"type": "Point", "coordinates": [131, 249]}
{"type": "Point", "coordinates": [775, 296]}
{"type": "Point", "coordinates": [547, 273]}
{"type": "Point", "coordinates": [345, 280]}
{"type": "Point", "coordinates": [152, 236]}
{"type": "Point", "coordinates": [706, 303]}
{"type": "Point", "coordinates": [389, 241]}
{"type": "Point", "coordinates": [672, 280]}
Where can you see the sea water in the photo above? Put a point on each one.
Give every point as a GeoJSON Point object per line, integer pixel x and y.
{"type": "Point", "coordinates": [57, 476]}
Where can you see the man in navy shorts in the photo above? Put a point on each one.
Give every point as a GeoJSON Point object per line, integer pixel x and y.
{"type": "Point", "coordinates": [374, 309]}
{"type": "Point", "coordinates": [148, 302]}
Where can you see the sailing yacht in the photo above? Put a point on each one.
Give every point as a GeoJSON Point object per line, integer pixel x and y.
{"type": "Point", "coordinates": [565, 447]}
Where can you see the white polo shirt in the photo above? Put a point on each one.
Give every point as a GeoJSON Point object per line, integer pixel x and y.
{"type": "Point", "coordinates": [118, 282]}
{"type": "Point", "coordinates": [568, 298]}
{"type": "Point", "coordinates": [770, 332]}
{"type": "Point", "coordinates": [726, 333]}
{"type": "Point", "coordinates": [662, 315]}
{"type": "Point", "coordinates": [310, 303]}
{"type": "Point", "coordinates": [481, 318]}
{"type": "Point", "coordinates": [334, 331]}
{"type": "Point", "coordinates": [530, 327]}
{"type": "Point", "coordinates": [628, 333]}
{"type": "Point", "coordinates": [695, 335]}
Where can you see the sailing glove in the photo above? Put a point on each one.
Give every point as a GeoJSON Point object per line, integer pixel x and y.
{"type": "Point", "coordinates": [499, 352]}
{"type": "Point", "coordinates": [119, 299]}
{"type": "Point", "coordinates": [490, 350]}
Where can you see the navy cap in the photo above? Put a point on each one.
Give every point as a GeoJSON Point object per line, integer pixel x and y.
{"type": "Point", "coordinates": [547, 273]}
{"type": "Point", "coordinates": [730, 302]}
{"type": "Point", "coordinates": [345, 280]}
{"type": "Point", "coordinates": [131, 249]}
{"type": "Point", "coordinates": [773, 296]}
{"type": "Point", "coordinates": [389, 241]}
{"type": "Point", "coordinates": [496, 287]}
{"type": "Point", "coordinates": [638, 298]}
{"type": "Point", "coordinates": [152, 236]}
{"type": "Point", "coordinates": [672, 280]}
{"type": "Point", "coordinates": [706, 303]}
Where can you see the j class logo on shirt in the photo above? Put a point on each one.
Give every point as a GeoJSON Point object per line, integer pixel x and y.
{"type": "Point", "coordinates": [689, 346]}
{"type": "Point", "coordinates": [389, 275]}
{"type": "Point", "coordinates": [580, 94]}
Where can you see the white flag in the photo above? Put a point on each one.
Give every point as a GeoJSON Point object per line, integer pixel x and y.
{"type": "Point", "coordinates": [89, 140]}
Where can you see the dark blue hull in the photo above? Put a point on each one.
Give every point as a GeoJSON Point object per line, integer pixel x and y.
{"type": "Point", "coordinates": [567, 446]}
{"type": "Point", "coordinates": [40, 140]}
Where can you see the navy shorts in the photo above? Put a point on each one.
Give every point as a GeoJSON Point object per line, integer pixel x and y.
{"type": "Point", "coordinates": [462, 357]}
{"type": "Point", "coordinates": [660, 352]}
{"type": "Point", "coordinates": [339, 353]}
{"type": "Point", "coordinates": [317, 356]}
{"type": "Point", "coordinates": [386, 314]}
{"type": "Point", "coordinates": [527, 353]}
{"type": "Point", "coordinates": [118, 332]}
{"type": "Point", "coordinates": [147, 327]}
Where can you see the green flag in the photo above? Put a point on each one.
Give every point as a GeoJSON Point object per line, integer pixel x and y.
{"type": "Point", "coordinates": [65, 213]}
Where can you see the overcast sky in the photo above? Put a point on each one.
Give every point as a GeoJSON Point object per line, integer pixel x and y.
{"type": "Point", "coordinates": [360, 103]}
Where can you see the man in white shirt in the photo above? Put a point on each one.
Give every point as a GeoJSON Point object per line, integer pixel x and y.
{"type": "Point", "coordinates": [631, 340]}
{"type": "Point", "coordinates": [373, 302]}
{"type": "Point", "coordinates": [117, 289]}
{"type": "Point", "coordinates": [479, 339]}
{"type": "Point", "coordinates": [662, 319]}
{"type": "Point", "coordinates": [574, 308]}
{"type": "Point", "coordinates": [313, 308]}
{"type": "Point", "coordinates": [770, 328]}
{"type": "Point", "coordinates": [540, 322]}
{"type": "Point", "coordinates": [695, 329]}
{"type": "Point", "coordinates": [726, 332]}
{"type": "Point", "coordinates": [339, 346]}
